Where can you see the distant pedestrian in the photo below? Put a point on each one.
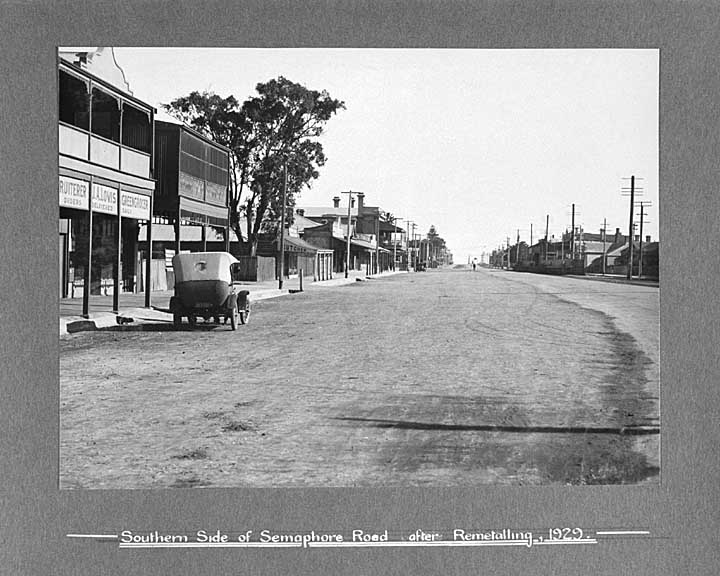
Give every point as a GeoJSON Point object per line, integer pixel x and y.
{"type": "Point", "coordinates": [474, 264]}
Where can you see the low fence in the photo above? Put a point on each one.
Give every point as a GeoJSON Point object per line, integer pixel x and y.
{"type": "Point", "coordinates": [256, 268]}
{"type": "Point", "coordinates": [306, 263]}
{"type": "Point", "coordinates": [159, 277]}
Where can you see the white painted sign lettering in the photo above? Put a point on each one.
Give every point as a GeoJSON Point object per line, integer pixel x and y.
{"type": "Point", "coordinates": [134, 206]}
{"type": "Point", "coordinates": [74, 193]}
{"type": "Point", "coordinates": [104, 199]}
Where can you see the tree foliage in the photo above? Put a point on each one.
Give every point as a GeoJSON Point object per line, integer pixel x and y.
{"type": "Point", "coordinates": [276, 130]}
{"type": "Point", "coordinates": [435, 241]}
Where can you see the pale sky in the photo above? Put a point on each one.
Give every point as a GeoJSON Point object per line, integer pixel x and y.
{"type": "Point", "coordinates": [479, 143]}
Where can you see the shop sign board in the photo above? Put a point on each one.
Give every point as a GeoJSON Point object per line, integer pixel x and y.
{"type": "Point", "coordinates": [104, 199]}
{"type": "Point", "coordinates": [74, 193]}
{"type": "Point", "coordinates": [135, 206]}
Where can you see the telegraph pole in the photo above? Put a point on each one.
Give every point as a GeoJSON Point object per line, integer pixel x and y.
{"type": "Point", "coordinates": [394, 242]}
{"type": "Point", "coordinates": [604, 239]}
{"type": "Point", "coordinates": [377, 245]}
{"type": "Point", "coordinates": [347, 250]}
{"type": "Point", "coordinates": [572, 237]}
{"type": "Point", "coordinates": [407, 223]}
{"type": "Point", "coordinates": [414, 249]}
{"type": "Point", "coordinates": [631, 191]}
{"type": "Point", "coordinates": [642, 215]}
{"type": "Point", "coordinates": [282, 232]}
{"type": "Point", "coordinates": [547, 228]}
{"type": "Point", "coordinates": [408, 235]}
{"type": "Point", "coordinates": [411, 245]}
{"type": "Point", "coordinates": [632, 206]}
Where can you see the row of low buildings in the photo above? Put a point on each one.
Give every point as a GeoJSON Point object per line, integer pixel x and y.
{"type": "Point", "coordinates": [376, 243]}
{"type": "Point", "coordinates": [582, 253]}
{"type": "Point", "coordinates": [135, 189]}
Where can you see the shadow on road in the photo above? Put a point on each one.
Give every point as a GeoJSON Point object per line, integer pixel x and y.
{"type": "Point", "coordinates": [408, 425]}
{"type": "Point", "coordinates": [166, 327]}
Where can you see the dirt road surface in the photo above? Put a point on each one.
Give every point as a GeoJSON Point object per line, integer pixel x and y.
{"type": "Point", "coordinates": [440, 378]}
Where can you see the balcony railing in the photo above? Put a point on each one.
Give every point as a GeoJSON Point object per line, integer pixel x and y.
{"type": "Point", "coordinates": [74, 142]}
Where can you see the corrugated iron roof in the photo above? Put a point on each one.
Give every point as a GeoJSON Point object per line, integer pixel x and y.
{"type": "Point", "coordinates": [320, 211]}
{"type": "Point", "coordinates": [301, 222]}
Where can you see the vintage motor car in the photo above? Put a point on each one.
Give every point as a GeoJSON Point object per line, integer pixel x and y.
{"type": "Point", "coordinates": [206, 287]}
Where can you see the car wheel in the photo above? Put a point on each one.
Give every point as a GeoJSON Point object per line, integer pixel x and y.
{"type": "Point", "coordinates": [245, 315]}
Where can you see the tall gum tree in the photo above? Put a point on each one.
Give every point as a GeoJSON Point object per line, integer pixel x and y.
{"type": "Point", "coordinates": [271, 132]}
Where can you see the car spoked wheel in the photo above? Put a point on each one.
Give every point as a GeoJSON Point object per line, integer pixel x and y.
{"type": "Point", "coordinates": [245, 314]}
{"type": "Point", "coordinates": [234, 318]}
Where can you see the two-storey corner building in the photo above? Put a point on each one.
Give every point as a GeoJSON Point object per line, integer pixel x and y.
{"type": "Point", "coordinates": [106, 185]}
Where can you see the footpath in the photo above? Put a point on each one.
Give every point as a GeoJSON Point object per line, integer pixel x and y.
{"type": "Point", "coordinates": [614, 278]}
{"type": "Point", "coordinates": [132, 310]}
{"type": "Point", "coordinates": [619, 279]}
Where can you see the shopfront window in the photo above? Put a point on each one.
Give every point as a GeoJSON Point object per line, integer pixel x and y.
{"type": "Point", "coordinates": [105, 115]}
{"type": "Point", "coordinates": [136, 128]}
{"type": "Point", "coordinates": [73, 101]}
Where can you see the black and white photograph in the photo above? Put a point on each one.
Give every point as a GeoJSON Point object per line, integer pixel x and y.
{"type": "Point", "coordinates": [358, 267]}
{"type": "Point", "coordinates": [364, 287]}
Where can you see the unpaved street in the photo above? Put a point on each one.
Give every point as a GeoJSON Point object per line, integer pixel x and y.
{"type": "Point", "coordinates": [439, 378]}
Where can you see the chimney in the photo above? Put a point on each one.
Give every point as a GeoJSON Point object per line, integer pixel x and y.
{"type": "Point", "coordinates": [361, 201]}
{"type": "Point", "coordinates": [336, 202]}
{"type": "Point", "coordinates": [617, 236]}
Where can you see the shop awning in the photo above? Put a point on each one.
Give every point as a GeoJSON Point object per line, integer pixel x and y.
{"type": "Point", "coordinates": [202, 213]}
{"type": "Point", "coordinates": [293, 244]}
{"type": "Point", "coordinates": [362, 243]}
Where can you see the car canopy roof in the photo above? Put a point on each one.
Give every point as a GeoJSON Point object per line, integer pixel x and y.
{"type": "Point", "coordinates": [203, 266]}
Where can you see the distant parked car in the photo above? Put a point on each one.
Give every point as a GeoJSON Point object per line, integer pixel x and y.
{"type": "Point", "coordinates": [420, 267]}
{"type": "Point", "coordinates": [205, 286]}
